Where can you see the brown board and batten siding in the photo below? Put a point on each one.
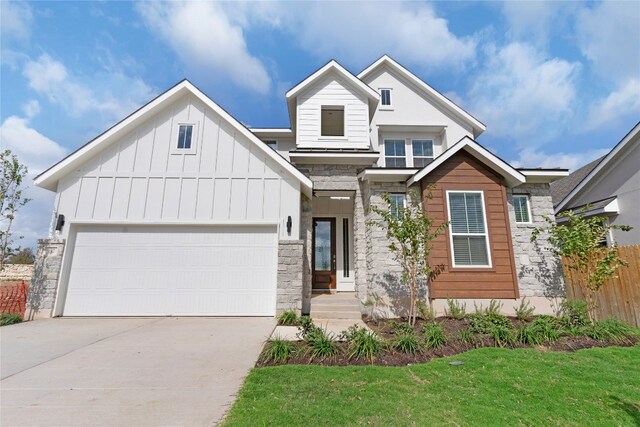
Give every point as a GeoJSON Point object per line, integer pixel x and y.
{"type": "Point", "coordinates": [464, 173]}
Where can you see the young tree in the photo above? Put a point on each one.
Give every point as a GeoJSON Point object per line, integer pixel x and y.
{"type": "Point", "coordinates": [410, 232]}
{"type": "Point", "coordinates": [579, 240]}
{"type": "Point", "coordinates": [12, 173]}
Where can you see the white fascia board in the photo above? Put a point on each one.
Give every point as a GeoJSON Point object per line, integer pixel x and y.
{"type": "Point", "coordinates": [633, 135]}
{"type": "Point", "coordinates": [279, 131]}
{"type": "Point", "coordinates": [512, 176]}
{"type": "Point", "coordinates": [332, 65]}
{"type": "Point", "coordinates": [385, 59]}
{"type": "Point", "coordinates": [543, 176]}
{"type": "Point", "coordinates": [49, 178]}
{"type": "Point", "coordinates": [386, 175]}
{"type": "Point", "coordinates": [336, 155]}
{"type": "Point", "coordinates": [611, 208]}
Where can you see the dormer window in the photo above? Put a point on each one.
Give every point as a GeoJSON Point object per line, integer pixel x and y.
{"type": "Point", "coordinates": [385, 97]}
{"type": "Point", "coordinates": [185, 133]}
{"type": "Point", "coordinates": [332, 121]}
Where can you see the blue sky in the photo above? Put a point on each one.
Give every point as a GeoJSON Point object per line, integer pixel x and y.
{"type": "Point", "coordinates": [556, 83]}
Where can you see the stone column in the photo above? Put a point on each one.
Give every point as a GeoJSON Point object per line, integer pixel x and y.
{"type": "Point", "coordinates": [44, 283]}
{"type": "Point", "coordinates": [289, 296]}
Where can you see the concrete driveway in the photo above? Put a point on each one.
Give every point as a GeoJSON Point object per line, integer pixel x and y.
{"type": "Point", "coordinates": [125, 371]}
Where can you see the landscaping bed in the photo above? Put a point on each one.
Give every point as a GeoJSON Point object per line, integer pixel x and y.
{"type": "Point", "coordinates": [396, 343]}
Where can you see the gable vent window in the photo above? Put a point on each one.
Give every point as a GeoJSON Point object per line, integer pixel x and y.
{"type": "Point", "coordinates": [394, 153]}
{"type": "Point", "coordinates": [468, 230]}
{"type": "Point", "coordinates": [332, 121]}
{"type": "Point", "coordinates": [184, 137]}
{"type": "Point", "coordinates": [385, 97]}
{"type": "Point", "coordinates": [521, 206]}
{"type": "Point", "coordinates": [422, 152]}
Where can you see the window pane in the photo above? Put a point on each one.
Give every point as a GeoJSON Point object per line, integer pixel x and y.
{"type": "Point", "coordinates": [422, 147]}
{"type": "Point", "coordinates": [470, 250]}
{"type": "Point", "coordinates": [184, 136]}
{"type": "Point", "coordinates": [395, 162]}
{"type": "Point", "coordinates": [475, 218]}
{"type": "Point", "coordinates": [386, 96]}
{"type": "Point", "coordinates": [345, 247]}
{"type": "Point", "coordinates": [421, 162]}
{"type": "Point", "coordinates": [397, 204]}
{"type": "Point", "coordinates": [187, 137]}
{"type": "Point", "coordinates": [322, 246]}
{"type": "Point", "coordinates": [332, 121]}
{"type": "Point", "coordinates": [520, 206]}
{"type": "Point", "coordinates": [458, 210]}
{"type": "Point", "coordinates": [181, 134]}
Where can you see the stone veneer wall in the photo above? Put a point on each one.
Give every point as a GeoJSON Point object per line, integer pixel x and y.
{"type": "Point", "coordinates": [289, 295]}
{"type": "Point", "coordinates": [44, 282]}
{"type": "Point", "coordinates": [334, 177]}
{"type": "Point", "coordinates": [384, 274]}
{"type": "Point", "coordinates": [16, 273]}
{"type": "Point", "coordinates": [539, 270]}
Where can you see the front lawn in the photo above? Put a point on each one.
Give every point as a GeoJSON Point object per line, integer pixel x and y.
{"type": "Point", "coordinates": [598, 386]}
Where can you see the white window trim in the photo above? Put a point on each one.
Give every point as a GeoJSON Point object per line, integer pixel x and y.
{"type": "Point", "coordinates": [345, 136]}
{"type": "Point", "coordinates": [528, 199]}
{"type": "Point", "coordinates": [485, 234]}
{"type": "Point", "coordinates": [432, 157]}
{"type": "Point", "coordinates": [195, 138]}
{"type": "Point", "coordinates": [407, 161]}
{"type": "Point", "coordinates": [386, 107]}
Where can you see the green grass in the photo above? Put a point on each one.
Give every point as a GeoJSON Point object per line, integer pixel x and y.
{"type": "Point", "coordinates": [599, 386]}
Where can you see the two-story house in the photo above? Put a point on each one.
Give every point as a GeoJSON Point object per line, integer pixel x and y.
{"type": "Point", "coordinates": [179, 209]}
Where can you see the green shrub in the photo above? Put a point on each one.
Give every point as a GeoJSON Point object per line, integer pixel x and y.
{"type": "Point", "coordinates": [288, 318]}
{"type": "Point", "coordinates": [575, 313]}
{"type": "Point", "coordinates": [433, 335]}
{"type": "Point", "coordinates": [321, 344]}
{"type": "Point", "coordinates": [481, 323]}
{"type": "Point", "coordinates": [609, 330]}
{"type": "Point", "coordinates": [494, 307]}
{"type": "Point", "coordinates": [455, 309]}
{"type": "Point", "coordinates": [9, 319]}
{"type": "Point", "coordinates": [305, 327]}
{"type": "Point", "coordinates": [524, 310]}
{"type": "Point", "coordinates": [503, 335]}
{"type": "Point", "coordinates": [426, 311]}
{"type": "Point", "coordinates": [362, 343]}
{"type": "Point", "coordinates": [279, 350]}
{"type": "Point", "coordinates": [400, 327]}
{"type": "Point", "coordinates": [466, 336]}
{"type": "Point", "coordinates": [542, 330]}
{"type": "Point", "coordinates": [406, 342]}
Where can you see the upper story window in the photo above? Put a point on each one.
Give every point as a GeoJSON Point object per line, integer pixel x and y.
{"type": "Point", "coordinates": [332, 121]}
{"type": "Point", "coordinates": [422, 152]}
{"type": "Point", "coordinates": [272, 143]}
{"type": "Point", "coordinates": [398, 203]}
{"type": "Point", "coordinates": [185, 133]}
{"type": "Point", "coordinates": [394, 153]}
{"type": "Point", "coordinates": [522, 209]}
{"type": "Point", "coordinates": [385, 97]}
{"type": "Point", "coordinates": [468, 230]}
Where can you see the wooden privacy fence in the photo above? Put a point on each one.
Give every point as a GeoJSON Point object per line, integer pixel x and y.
{"type": "Point", "coordinates": [13, 299]}
{"type": "Point", "coordinates": [619, 298]}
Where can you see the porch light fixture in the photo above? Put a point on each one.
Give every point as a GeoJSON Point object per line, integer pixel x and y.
{"type": "Point", "coordinates": [289, 224]}
{"type": "Point", "coordinates": [340, 198]}
{"type": "Point", "coordinates": [59, 222]}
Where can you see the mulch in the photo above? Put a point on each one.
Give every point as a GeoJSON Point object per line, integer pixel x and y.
{"type": "Point", "coordinates": [453, 346]}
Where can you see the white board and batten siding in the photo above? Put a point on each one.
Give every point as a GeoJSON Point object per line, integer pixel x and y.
{"type": "Point", "coordinates": [332, 90]}
{"type": "Point", "coordinates": [142, 178]}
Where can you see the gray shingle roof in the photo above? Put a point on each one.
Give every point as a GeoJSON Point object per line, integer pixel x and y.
{"type": "Point", "coordinates": [562, 187]}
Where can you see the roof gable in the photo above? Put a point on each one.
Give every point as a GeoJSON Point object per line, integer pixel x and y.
{"type": "Point", "coordinates": [439, 99]}
{"type": "Point", "coordinates": [632, 137]}
{"type": "Point", "coordinates": [50, 177]}
{"type": "Point", "coordinates": [511, 176]}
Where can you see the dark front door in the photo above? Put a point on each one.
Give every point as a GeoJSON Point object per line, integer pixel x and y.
{"type": "Point", "coordinates": [324, 253]}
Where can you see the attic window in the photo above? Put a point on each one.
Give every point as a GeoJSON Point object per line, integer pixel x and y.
{"type": "Point", "coordinates": [332, 121]}
{"type": "Point", "coordinates": [385, 97]}
{"type": "Point", "coordinates": [184, 137]}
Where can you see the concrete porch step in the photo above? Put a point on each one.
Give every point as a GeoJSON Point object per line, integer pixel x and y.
{"type": "Point", "coordinates": [325, 315]}
{"type": "Point", "coordinates": [335, 307]}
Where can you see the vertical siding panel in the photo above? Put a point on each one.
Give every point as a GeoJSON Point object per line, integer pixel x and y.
{"type": "Point", "coordinates": [255, 196]}
{"type": "Point", "coordinates": [121, 195]}
{"type": "Point", "coordinates": [153, 206]}
{"type": "Point", "coordinates": [221, 198]}
{"type": "Point", "coordinates": [188, 196]}
{"type": "Point", "coordinates": [238, 210]}
{"type": "Point", "coordinates": [109, 159]}
{"type": "Point", "coordinates": [240, 157]}
{"type": "Point", "coordinates": [271, 192]}
{"type": "Point", "coordinates": [256, 161]}
{"type": "Point", "coordinates": [225, 150]}
{"type": "Point", "coordinates": [104, 195]}
{"type": "Point", "coordinates": [127, 153]}
{"type": "Point", "coordinates": [69, 191]}
{"type": "Point", "coordinates": [162, 141]}
{"type": "Point", "coordinates": [87, 198]}
{"type": "Point", "coordinates": [171, 198]}
{"type": "Point", "coordinates": [205, 199]}
{"type": "Point", "coordinates": [209, 144]}
{"type": "Point", "coordinates": [144, 148]}
{"type": "Point", "coordinates": [137, 201]}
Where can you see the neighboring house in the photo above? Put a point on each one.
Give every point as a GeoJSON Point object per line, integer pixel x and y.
{"type": "Point", "coordinates": [608, 187]}
{"type": "Point", "coordinates": [181, 210]}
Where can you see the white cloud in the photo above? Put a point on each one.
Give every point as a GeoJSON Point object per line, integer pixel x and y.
{"type": "Point", "coordinates": [37, 152]}
{"type": "Point", "coordinates": [522, 94]}
{"type": "Point", "coordinates": [206, 41]}
{"type": "Point", "coordinates": [359, 32]}
{"type": "Point", "coordinates": [15, 19]}
{"type": "Point", "coordinates": [531, 157]}
{"type": "Point", "coordinates": [111, 93]}
{"type": "Point", "coordinates": [31, 108]}
{"type": "Point", "coordinates": [609, 36]}
{"type": "Point", "coordinates": [622, 102]}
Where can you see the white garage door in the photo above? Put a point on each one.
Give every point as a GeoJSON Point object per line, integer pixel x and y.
{"type": "Point", "coordinates": [178, 270]}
